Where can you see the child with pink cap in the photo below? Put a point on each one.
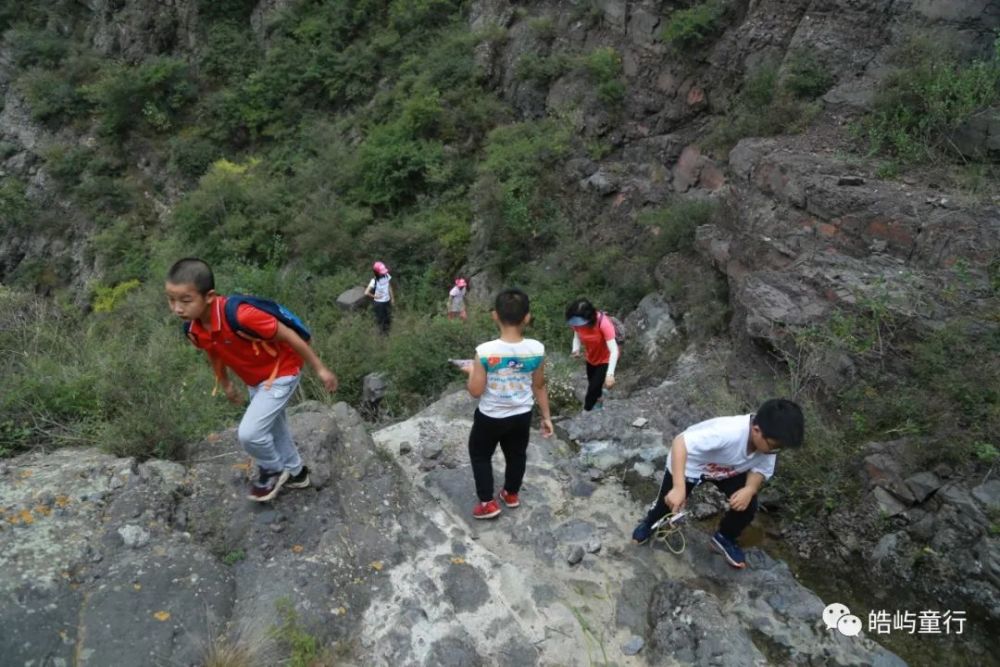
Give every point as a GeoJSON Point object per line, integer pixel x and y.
{"type": "Point", "coordinates": [380, 292]}
{"type": "Point", "coordinates": [456, 299]}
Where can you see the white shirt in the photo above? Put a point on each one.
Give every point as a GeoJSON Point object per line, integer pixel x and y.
{"type": "Point", "coordinates": [381, 289]}
{"type": "Point", "coordinates": [457, 296]}
{"type": "Point", "coordinates": [717, 449]}
{"type": "Point", "coordinates": [508, 376]}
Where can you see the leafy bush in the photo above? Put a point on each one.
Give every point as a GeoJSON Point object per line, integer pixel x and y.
{"type": "Point", "coordinates": [154, 92]}
{"type": "Point", "coordinates": [541, 69]}
{"type": "Point", "coordinates": [236, 212]}
{"type": "Point", "coordinates": [51, 96]}
{"type": "Point", "coordinates": [191, 155]}
{"type": "Point", "coordinates": [764, 107]}
{"type": "Point", "coordinates": [688, 28]}
{"type": "Point", "coordinates": [929, 93]}
{"type": "Point", "coordinates": [605, 66]}
{"type": "Point", "coordinates": [16, 210]}
{"type": "Point", "coordinates": [393, 166]}
{"type": "Point", "coordinates": [30, 47]}
{"type": "Point", "coordinates": [805, 76]}
{"type": "Point", "coordinates": [673, 226]}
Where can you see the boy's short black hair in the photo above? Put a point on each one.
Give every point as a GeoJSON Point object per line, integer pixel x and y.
{"type": "Point", "coordinates": [781, 419]}
{"type": "Point", "coordinates": [511, 306]}
{"type": "Point", "coordinates": [192, 271]}
{"type": "Point", "coordinates": [582, 308]}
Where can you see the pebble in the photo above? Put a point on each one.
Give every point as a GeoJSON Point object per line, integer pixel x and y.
{"type": "Point", "coordinates": [575, 556]}
{"type": "Point", "coordinates": [633, 645]}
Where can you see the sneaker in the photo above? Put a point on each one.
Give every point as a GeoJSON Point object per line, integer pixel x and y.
{"type": "Point", "coordinates": [642, 532]}
{"type": "Point", "coordinates": [486, 510]}
{"type": "Point", "coordinates": [729, 550]}
{"type": "Point", "coordinates": [299, 481]}
{"type": "Point", "coordinates": [267, 485]}
{"type": "Point", "coordinates": [509, 499]}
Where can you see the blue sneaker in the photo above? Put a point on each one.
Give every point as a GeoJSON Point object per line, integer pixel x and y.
{"type": "Point", "coordinates": [729, 550]}
{"type": "Point", "coordinates": [642, 532]}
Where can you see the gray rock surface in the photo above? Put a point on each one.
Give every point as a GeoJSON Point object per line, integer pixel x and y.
{"type": "Point", "coordinates": [352, 299]}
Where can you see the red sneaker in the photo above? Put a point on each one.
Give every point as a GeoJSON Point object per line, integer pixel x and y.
{"type": "Point", "coordinates": [486, 510]}
{"type": "Point", "coordinates": [509, 499]}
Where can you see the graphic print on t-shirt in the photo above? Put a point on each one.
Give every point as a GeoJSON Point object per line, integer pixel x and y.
{"type": "Point", "coordinates": [509, 367]}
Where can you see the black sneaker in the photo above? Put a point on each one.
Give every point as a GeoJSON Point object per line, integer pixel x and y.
{"type": "Point", "coordinates": [642, 532]}
{"type": "Point", "coordinates": [299, 481]}
{"type": "Point", "coordinates": [729, 550]}
{"type": "Point", "coordinates": [267, 485]}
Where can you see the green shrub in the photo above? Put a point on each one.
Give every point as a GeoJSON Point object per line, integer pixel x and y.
{"type": "Point", "coordinates": [928, 94]}
{"type": "Point", "coordinates": [673, 226]}
{"type": "Point", "coordinates": [688, 28]}
{"type": "Point", "coordinates": [764, 107]}
{"type": "Point", "coordinates": [805, 76]}
{"type": "Point", "coordinates": [605, 66]}
{"type": "Point", "coordinates": [152, 93]}
{"type": "Point", "coordinates": [408, 15]}
{"type": "Point", "coordinates": [52, 96]}
{"type": "Point", "coordinates": [191, 155]}
{"type": "Point", "coordinates": [543, 27]}
{"type": "Point", "coordinates": [393, 166]}
{"type": "Point", "coordinates": [541, 69]}
{"type": "Point", "coordinates": [106, 299]}
{"type": "Point", "coordinates": [16, 210]}
{"type": "Point", "coordinates": [42, 48]}
{"type": "Point", "coordinates": [237, 211]}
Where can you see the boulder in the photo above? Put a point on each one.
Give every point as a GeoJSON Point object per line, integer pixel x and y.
{"type": "Point", "coordinates": [352, 299]}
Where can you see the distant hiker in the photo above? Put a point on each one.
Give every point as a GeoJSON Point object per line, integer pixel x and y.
{"type": "Point", "coordinates": [508, 376]}
{"type": "Point", "coordinates": [737, 454]}
{"type": "Point", "coordinates": [456, 300]}
{"type": "Point", "coordinates": [595, 331]}
{"type": "Point", "coordinates": [380, 291]}
{"type": "Point", "coordinates": [266, 351]}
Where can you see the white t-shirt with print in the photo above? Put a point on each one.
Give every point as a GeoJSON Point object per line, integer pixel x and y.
{"type": "Point", "coordinates": [717, 449]}
{"type": "Point", "coordinates": [508, 376]}
{"type": "Point", "coordinates": [381, 289]}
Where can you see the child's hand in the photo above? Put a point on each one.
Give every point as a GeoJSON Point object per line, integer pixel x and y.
{"type": "Point", "coordinates": [740, 500]}
{"type": "Point", "coordinates": [675, 499]}
{"type": "Point", "coordinates": [328, 379]}
{"type": "Point", "coordinates": [233, 394]}
{"type": "Point", "coordinates": [575, 354]}
{"type": "Point", "coordinates": [609, 382]}
{"type": "Point", "coordinates": [547, 428]}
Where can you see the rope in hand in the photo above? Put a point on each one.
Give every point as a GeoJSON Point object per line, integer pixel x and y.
{"type": "Point", "coordinates": [666, 528]}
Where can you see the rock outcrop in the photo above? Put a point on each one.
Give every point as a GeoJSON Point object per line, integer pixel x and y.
{"type": "Point", "coordinates": [106, 561]}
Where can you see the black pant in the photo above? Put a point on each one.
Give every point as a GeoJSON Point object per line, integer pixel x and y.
{"type": "Point", "coordinates": [512, 434]}
{"type": "Point", "coordinates": [595, 384]}
{"type": "Point", "coordinates": [383, 315]}
{"type": "Point", "coordinates": [732, 523]}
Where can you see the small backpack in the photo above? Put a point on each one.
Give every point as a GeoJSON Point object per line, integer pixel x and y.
{"type": "Point", "coordinates": [282, 314]}
{"type": "Point", "coordinates": [619, 327]}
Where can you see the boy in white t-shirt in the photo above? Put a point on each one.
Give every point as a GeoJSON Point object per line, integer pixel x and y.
{"type": "Point", "coordinates": [737, 454]}
{"type": "Point", "coordinates": [507, 376]}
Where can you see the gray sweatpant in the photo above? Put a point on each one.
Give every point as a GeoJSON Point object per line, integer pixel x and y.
{"type": "Point", "coordinates": [264, 431]}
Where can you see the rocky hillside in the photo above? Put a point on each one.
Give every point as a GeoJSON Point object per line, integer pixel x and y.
{"type": "Point", "coordinates": [794, 198]}
{"type": "Point", "coordinates": [110, 562]}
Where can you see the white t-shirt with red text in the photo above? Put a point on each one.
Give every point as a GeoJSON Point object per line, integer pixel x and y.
{"type": "Point", "coordinates": [717, 449]}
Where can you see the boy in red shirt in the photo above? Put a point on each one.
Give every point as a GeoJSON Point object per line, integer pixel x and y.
{"type": "Point", "coordinates": [269, 365]}
{"type": "Point", "coordinates": [596, 333]}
